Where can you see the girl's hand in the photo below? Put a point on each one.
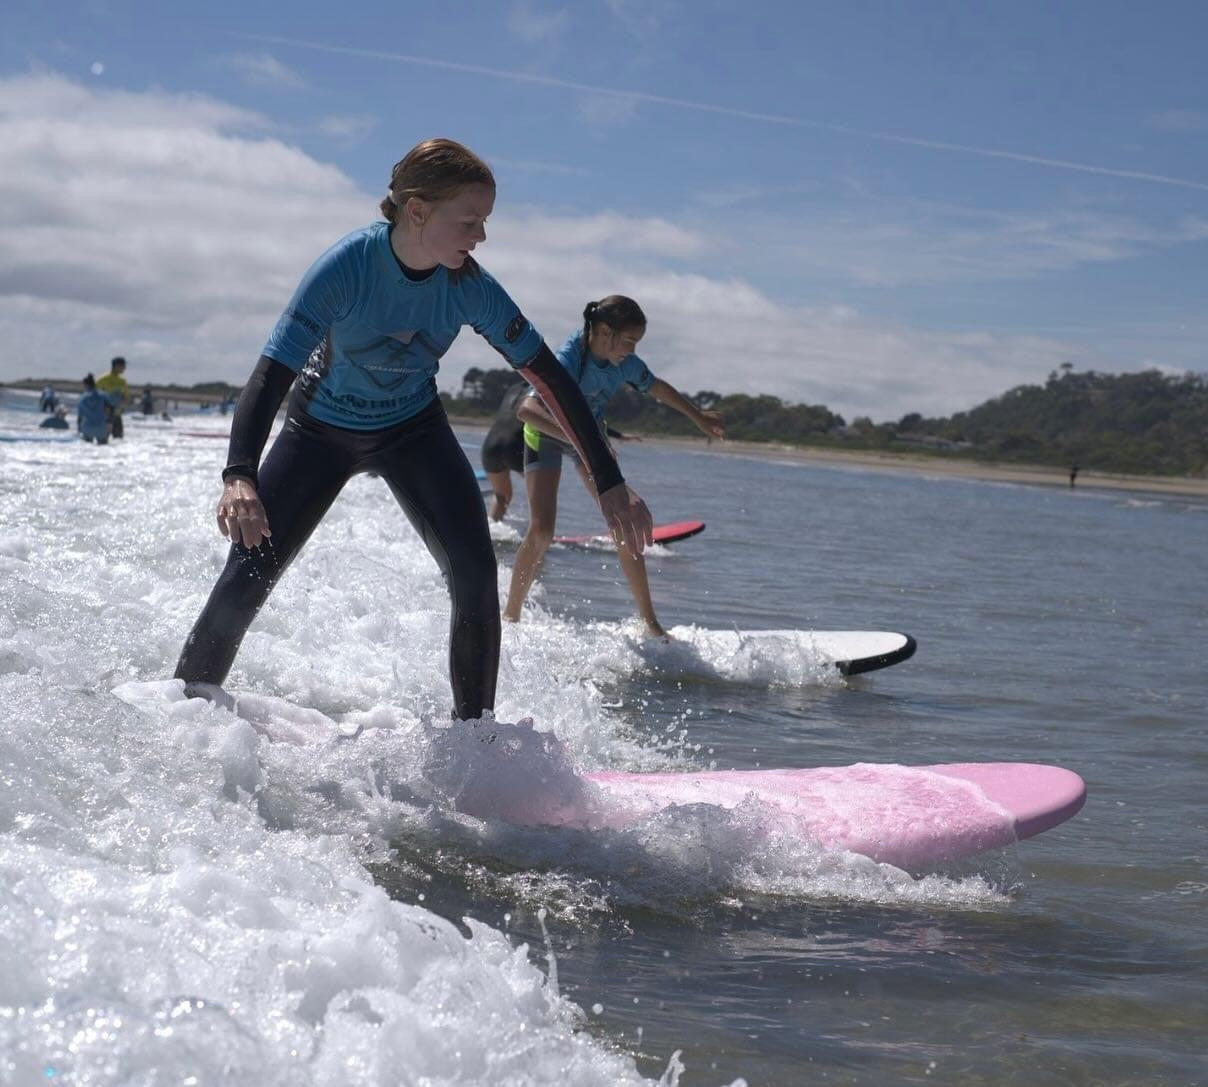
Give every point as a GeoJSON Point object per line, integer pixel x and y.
{"type": "Point", "coordinates": [627, 517]}
{"type": "Point", "coordinates": [710, 422]}
{"type": "Point", "coordinates": [241, 515]}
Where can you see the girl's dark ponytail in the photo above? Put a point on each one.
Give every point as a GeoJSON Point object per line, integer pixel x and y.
{"type": "Point", "coordinates": [589, 316]}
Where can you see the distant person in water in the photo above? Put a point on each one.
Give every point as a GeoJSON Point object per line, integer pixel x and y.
{"type": "Point", "coordinates": [114, 387]}
{"type": "Point", "coordinates": [1073, 474]}
{"type": "Point", "coordinates": [503, 449]}
{"type": "Point", "coordinates": [48, 401]}
{"type": "Point", "coordinates": [58, 421]}
{"type": "Point", "coordinates": [360, 343]}
{"type": "Point", "coordinates": [92, 414]}
{"type": "Point", "coordinates": [599, 358]}
{"type": "Point", "coordinates": [147, 405]}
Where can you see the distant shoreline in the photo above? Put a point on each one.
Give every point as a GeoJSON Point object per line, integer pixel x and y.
{"type": "Point", "coordinates": [921, 464]}
{"type": "Point", "coordinates": [915, 463]}
{"type": "Point", "coordinates": [74, 386]}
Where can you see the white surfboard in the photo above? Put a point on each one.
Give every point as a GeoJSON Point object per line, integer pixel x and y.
{"type": "Point", "coordinates": [739, 651]}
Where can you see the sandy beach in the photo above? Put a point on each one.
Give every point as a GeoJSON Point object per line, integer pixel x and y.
{"type": "Point", "coordinates": [921, 463]}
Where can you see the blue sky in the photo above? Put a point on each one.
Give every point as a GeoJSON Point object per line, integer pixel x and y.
{"type": "Point", "coordinates": [883, 207]}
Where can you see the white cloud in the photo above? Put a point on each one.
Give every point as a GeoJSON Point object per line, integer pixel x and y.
{"type": "Point", "coordinates": [345, 127]}
{"type": "Point", "coordinates": [264, 70]}
{"type": "Point", "coordinates": [912, 243]}
{"type": "Point", "coordinates": [545, 27]}
{"type": "Point", "coordinates": [726, 335]}
{"type": "Point", "coordinates": [147, 218]}
{"type": "Point", "coordinates": [606, 231]}
{"type": "Point", "coordinates": [172, 230]}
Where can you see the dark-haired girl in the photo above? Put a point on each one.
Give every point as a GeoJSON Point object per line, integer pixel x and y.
{"type": "Point", "coordinates": [599, 357]}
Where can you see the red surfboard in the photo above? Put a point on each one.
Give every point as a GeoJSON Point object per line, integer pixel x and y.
{"type": "Point", "coordinates": [663, 534]}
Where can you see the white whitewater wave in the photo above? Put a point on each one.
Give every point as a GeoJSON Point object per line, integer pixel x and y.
{"type": "Point", "coordinates": [191, 890]}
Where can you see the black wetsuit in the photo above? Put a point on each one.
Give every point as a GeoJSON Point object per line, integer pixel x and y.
{"type": "Point", "coordinates": [503, 447]}
{"type": "Point", "coordinates": [427, 471]}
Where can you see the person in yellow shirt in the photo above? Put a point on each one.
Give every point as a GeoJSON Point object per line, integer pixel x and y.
{"type": "Point", "coordinates": [114, 388]}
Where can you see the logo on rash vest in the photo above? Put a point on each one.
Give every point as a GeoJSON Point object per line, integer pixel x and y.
{"type": "Point", "coordinates": [516, 328]}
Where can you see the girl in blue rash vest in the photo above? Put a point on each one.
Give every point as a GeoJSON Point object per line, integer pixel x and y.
{"type": "Point", "coordinates": [599, 357]}
{"type": "Point", "coordinates": [359, 344]}
{"type": "Point", "coordinates": [92, 413]}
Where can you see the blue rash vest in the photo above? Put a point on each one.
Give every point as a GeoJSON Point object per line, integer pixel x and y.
{"type": "Point", "coordinates": [93, 419]}
{"type": "Point", "coordinates": [599, 380]}
{"type": "Point", "coordinates": [367, 340]}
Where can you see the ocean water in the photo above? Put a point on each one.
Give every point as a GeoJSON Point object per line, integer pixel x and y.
{"type": "Point", "coordinates": [298, 893]}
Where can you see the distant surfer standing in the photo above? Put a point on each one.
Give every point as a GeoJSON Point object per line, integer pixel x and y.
{"type": "Point", "coordinates": [114, 387]}
{"type": "Point", "coordinates": [600, 358]}
{"type": "Point", "coordinates": [359, 344]}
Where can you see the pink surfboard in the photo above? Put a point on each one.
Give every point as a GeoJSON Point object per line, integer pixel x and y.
{"type": "Point", "coordinates": [909, 816]}
{"type": "Point", "coordinates": [663, 534]}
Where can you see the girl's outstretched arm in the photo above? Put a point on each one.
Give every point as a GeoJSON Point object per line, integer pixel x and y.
{"type": "Point", "coordinates": [708, 422]}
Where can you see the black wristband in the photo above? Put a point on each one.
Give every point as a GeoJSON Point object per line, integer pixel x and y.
{"type": "Point", "coordinates": [240, 471]}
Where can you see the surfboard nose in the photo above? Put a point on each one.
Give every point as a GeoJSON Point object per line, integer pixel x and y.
{"type": "Point", "coordinates": [1038, 797]}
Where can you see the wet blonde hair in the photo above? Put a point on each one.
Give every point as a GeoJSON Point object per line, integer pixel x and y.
{"type": "Point", "coordinates": [434, 171]}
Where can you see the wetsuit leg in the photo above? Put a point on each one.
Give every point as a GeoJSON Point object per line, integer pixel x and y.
{"type": "Point", "coordinates": [513, 454]}
{"type": "Point", "coordinates": [299, 480]}
{"type": "Point", "coordinates": [493, 452]}
{"type": "Point", "coordinates": [429, 474]}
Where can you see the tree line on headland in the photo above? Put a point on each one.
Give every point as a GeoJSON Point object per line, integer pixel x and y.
{"type": "Point", "coordinates": [1147, 423]}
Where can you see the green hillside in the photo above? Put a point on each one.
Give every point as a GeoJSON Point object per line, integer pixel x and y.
{"type": "Point", "coordinates": [1144, 423]}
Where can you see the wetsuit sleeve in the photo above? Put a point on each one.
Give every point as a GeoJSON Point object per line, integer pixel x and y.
{"type": "Point", "coordinates": [498, 320]}
{"type": "Point", "coordinates": [561, 395]}
{"type": "Point", "coordinates": [254, 414]}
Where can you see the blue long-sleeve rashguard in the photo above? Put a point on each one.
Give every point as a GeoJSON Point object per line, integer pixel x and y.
{"type": "Point", "coordinates": [367, 340]}
{"type": "Point", "coordinates": [598, 381]}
